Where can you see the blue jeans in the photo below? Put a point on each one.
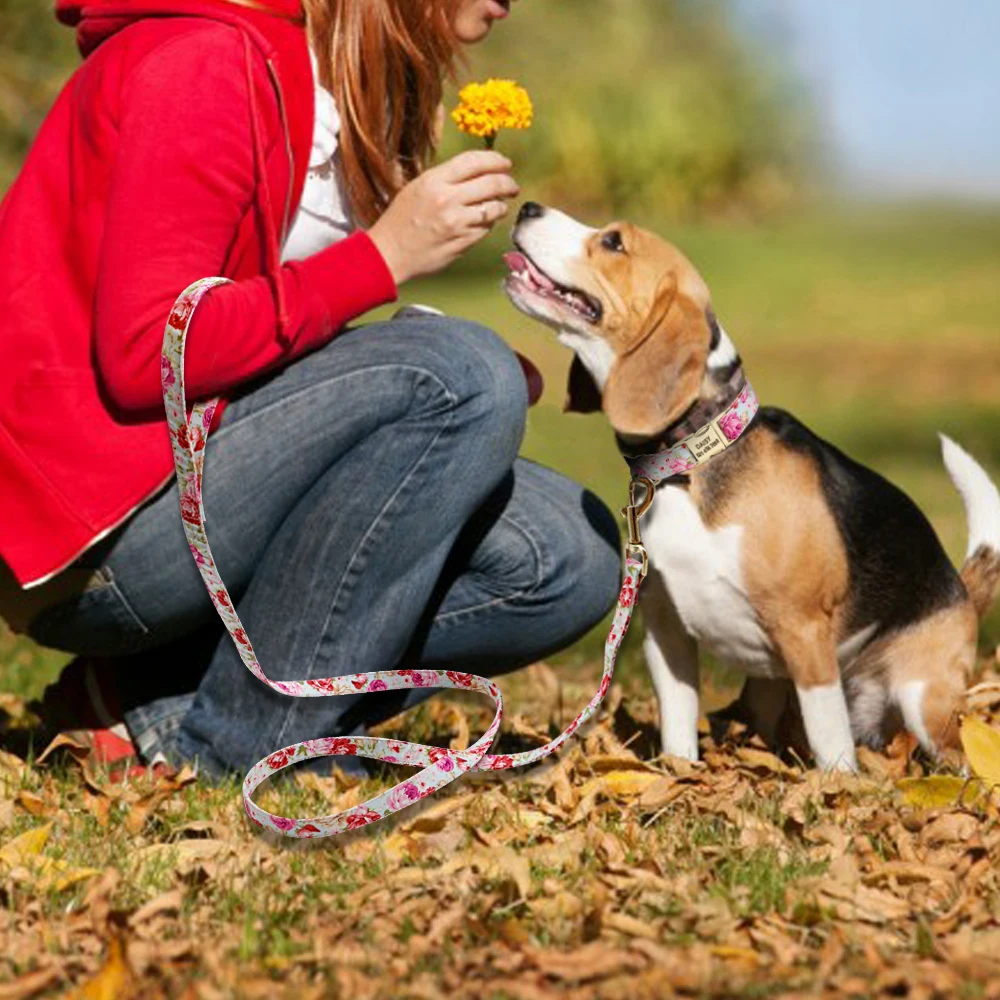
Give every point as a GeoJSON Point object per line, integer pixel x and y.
{"type": "Point", "coordinates": [367, 510]}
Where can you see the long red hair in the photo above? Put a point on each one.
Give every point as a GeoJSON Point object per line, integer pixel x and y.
{"type": "Point", "coordinates": [385, 62]}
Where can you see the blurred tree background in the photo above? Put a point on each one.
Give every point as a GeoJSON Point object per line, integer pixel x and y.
{"type": "Point", "coordinates": [37, 55]}
{"type": "Point", "coordinates": [640, 104]}
{"type": "Point", "coordinates": [650, 106]}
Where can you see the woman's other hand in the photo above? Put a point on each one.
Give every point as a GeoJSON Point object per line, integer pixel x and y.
{"type": "Point", "coordinates": [437, 216]}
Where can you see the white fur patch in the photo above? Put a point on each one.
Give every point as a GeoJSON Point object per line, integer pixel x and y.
{"type": "Point", "coordinates": [725, 352]}
{"type": "Point", "coordinates": [595, 354]}
{"type": "Point", "coordinates": [556, 243]}
{"type": "Point", "coordinates": [910, 696]}
{"type": "Point", "coordinates": [672, 659]}
{"type": "Point", "coordinates": [828, 726]}
{"type": "Point", "coordinates": [979, 496]}
{"type": "Point", "coordinates": [704, 576]}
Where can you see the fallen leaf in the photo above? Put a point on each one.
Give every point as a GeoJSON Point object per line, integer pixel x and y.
{"type": "Point", "coordinates": [77, 750]}
{"type": "Point", "coordinates": [35, 804]}
{"type": "Point", "coordinates": [23, 857]}
{"type": "Point", "coordinates": [763, 760]}
{"type": "Point", "coordinates": [602, 763]}
{"type": "Point", "coordinates": [851, 903]}
{"type": "Point", "coordinates": [620, 784]}
{"type": "Point", "coordinates": [167, 902]}
{"type": "Point", "coordinates": [592, 961]}
{"type": "Point", "coordinates": [631, 926]}
{"type": "Point", "coordinates": [564, 851]}
{"type": "Point", "coordinates": [460, 741]}
{"type": "Point", "coordinates": [59, 875]}
{"type": "Point", "coordinates": [502, 862]}
{"type": "Point", "coordinates": [17, 711]}
{"type": "Point", "coordinates": [888, 768]}
{"type": "Point", "coordinates": [561, 906]}
{"type": "Point", "coordinates": [142, 954]}
{"type": "Point", "coordinates": [735, 953]}
{"type": "Point", "coordinates": [166, 785]}
{"type": "Point", "coordinates": [907, 872]}
{"type": "Point", "coordinates": [661, 793]}
{"type": "Point", "coordinates": [99, 806]}
{"type": "Point", "coordinates": [30, 984]}
{"type": "Point", "coordinates": [901, 747]}
{"type": "Point", "coordinates": [532, 819]}
{"type": "Point", "coordinates": [984, 695]}
{"type": "Point", "coordinates": [934, 792]}
{"type": "Point", "coordinates": [12, 768]}
{"type": "Point", "coordinates": [514, 932]}
{"type": "Point", "coordinates": [953, 827]}
{"type": "Point", "coordinates": [431, 817]}
{"type": "Point", "coordinates": [982, 746]}
{"type": "Point", "coordinates": [28, 844]}
{"type": "Point", "coordinates": [187, 854]}
{"type": "Point", "coordinates": [113, 980]}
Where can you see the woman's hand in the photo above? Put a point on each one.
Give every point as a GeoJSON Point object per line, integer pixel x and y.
{"type": "Point", "coordinates": [440, 214]}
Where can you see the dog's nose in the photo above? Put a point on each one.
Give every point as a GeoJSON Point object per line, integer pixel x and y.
{"type": "Point", "coordinates": [530, 210]}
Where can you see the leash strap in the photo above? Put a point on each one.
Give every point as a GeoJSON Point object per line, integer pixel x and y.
{"type": "Point", "coordinates": [440, 766]}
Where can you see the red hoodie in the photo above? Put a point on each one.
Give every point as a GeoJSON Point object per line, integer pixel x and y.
{"type": "Point", "coordinates": [177, 150]}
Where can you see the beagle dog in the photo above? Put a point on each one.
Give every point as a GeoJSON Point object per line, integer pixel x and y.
{"type": "Point", "coordinates": [814, 576]}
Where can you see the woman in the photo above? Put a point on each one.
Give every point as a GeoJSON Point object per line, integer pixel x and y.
{"type": "Point", "coordinates": [363, 494]}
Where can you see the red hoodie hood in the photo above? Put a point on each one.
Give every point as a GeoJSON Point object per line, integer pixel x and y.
{"type": "Point", "coordinates": [99, 19]}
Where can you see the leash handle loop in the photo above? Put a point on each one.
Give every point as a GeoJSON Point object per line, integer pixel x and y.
{"type": "Point", "coordinates": [440, 766]}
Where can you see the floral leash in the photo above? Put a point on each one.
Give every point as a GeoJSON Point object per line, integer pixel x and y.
{"type": "Point", "coordinates": [440, 766]}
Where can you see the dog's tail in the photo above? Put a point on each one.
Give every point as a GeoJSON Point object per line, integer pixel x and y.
{"type": "Point", "coordinates": [981, 569]}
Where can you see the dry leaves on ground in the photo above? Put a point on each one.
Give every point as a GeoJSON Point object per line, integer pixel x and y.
{"type": "Point", "coordinates": [601, 873]}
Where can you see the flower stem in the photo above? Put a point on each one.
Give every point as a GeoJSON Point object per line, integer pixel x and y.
{"type": "Point", "coordinates": [491, 140]}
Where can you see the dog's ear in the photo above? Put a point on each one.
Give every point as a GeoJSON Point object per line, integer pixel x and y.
{"type": "Point", "coordinates": [582, 394]}
{"type": "Point", "coordinates": [659, 374]}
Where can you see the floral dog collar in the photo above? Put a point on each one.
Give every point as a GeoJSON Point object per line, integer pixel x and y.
{"type": "Point", "coordinates": [704, 444]}
{"type": "Point", "coordinates": [440, 766]}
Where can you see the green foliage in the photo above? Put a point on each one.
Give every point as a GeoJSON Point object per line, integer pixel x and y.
{"type": "Point", "coordinates": [37, 55]}
{"type": "Point", "coordinates": [647, 105]}
{"type": "Point", "coordinates": [640, 104]}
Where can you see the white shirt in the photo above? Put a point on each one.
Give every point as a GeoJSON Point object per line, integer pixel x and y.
{"type": "Point", "coordinates": [323, 215]}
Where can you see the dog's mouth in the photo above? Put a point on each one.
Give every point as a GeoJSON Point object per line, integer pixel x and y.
{"type": "Point", "coordinates": [529, 276]}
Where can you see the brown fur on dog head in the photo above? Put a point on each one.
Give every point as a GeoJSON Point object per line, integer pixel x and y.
{"type": "Point", "coordinates": [654, 318]}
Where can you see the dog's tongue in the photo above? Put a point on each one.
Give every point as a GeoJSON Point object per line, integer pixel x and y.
{"type": "Point", "coordinates": [520, 264]}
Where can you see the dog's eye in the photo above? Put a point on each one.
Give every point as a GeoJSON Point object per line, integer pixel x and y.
{"type": "Point", "coordinates": [613, 241]}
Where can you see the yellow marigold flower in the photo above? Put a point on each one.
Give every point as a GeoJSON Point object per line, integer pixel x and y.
{"type": "Point", "coordinates": [485, 108]}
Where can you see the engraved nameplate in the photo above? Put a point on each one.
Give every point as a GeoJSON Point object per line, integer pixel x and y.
{"type": "Point", "coordinates": [706, 443]}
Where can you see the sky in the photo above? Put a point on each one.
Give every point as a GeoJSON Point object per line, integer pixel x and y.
{"type": "Point", "coordinates": [909, 89]}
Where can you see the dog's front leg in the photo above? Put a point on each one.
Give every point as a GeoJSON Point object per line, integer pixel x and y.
{"type": "Point", "coordinates": [672, 659]}
{"type": "Point", "coordinates": [809, 652]}
{"type": "Point", "coordinates": [828, 725]}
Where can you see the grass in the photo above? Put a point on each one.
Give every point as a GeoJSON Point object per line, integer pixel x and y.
{"type": "Point", "coordinates": [877, 328]}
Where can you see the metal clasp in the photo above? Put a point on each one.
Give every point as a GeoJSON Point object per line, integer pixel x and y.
{"type": "Point", "coordinates": [633, 512]}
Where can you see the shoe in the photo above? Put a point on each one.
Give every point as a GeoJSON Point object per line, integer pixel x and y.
{"type": "Point", "coordinates": [84, 696]}
{"type": "Point", "coordinates": [113, 748]}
